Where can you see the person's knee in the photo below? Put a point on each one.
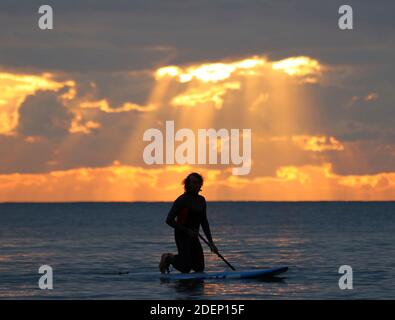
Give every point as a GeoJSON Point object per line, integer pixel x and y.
{"type": "Point", "coordinates": [199, 267]}
{"type": "Point", "coordinates": [184, 265]}
{"type": "Point", "coordinates": [186, 268]}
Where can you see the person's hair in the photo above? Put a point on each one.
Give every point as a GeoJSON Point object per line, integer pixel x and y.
{"type": "Point", "coordinates": [187, 181]}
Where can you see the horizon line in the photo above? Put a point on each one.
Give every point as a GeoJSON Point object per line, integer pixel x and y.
{"type": "Point", "coordinates": [170, 201]}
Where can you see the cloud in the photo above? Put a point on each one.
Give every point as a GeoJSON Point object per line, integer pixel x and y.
{"type": "Point", "coordinates": [371, 97]}
{"type": "Point", "coordinates": [119, 182]}
{"type": "Point", "coordinates": [292, 174]}
{"type": "Point", "coordinates": [112, 183]}
{"type": "Point", "coordinates": [318, 143]}
{"type": "Point", "coordinates": [305, 67]}
{"type": "Point", "coordinates": [208, 83]}
{"type": "Point", "coordinates": [330, 90]}
{"type": "Point", "coordinates": [210, 72]}
{"type": "Point", "coordinates": [301, 66]}
{"type": "Point", "coordinates": [204, 96]}
{"type": "Point", "coordinates": [306, 183]}
{"type": "Point", "coordinates": [98, 35]}
{"type": "Point", "coordinates": [299, 125]}
{"type": "Point", "coordinates": [104, 106]}
{"type": "Point", "coordinates": [78, 126]}
{"type": "Point", "coordinates": [15, 87]}
{"type": "Point", "coordinates": [44, 115]}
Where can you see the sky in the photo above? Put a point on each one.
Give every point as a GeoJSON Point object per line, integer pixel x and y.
{"type": "Point", "coordinates": [76, 100]}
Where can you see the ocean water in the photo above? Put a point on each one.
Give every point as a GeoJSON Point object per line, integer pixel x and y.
{"type": "Point", "coordinates": [89, 244]}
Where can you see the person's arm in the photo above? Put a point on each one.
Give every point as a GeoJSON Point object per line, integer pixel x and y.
{"type": "Point", "coordinates": [171, 217]}
{"type": "Point", "coordinates": [206, 229]}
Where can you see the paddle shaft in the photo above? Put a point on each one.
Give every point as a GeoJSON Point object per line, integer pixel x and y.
{"type": "Point", "coordinates": [217, 253]}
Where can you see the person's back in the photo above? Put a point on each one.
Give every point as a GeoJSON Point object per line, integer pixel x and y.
{"type": "Point", "coordinates": [189, 211]}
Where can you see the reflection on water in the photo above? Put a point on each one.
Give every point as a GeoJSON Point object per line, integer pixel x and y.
{"type": "Point", "coordinates": [4, 258]}
{"type": "Point", "coordinates": [246, 288]}
{"type": "Point", "coordinates": [192, 289]}
{"type": "Point", "coordinates": [189, 289]}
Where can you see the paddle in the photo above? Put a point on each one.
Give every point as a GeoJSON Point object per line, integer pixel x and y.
{"type": "Point", "coordinates": [217, 253]}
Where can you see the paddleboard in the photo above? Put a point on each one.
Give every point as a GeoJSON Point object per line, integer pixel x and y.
{"type": "Point", "coordinates": [244, 274]}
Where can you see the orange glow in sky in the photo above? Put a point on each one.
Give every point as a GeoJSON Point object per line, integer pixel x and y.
{"type": "Point", "coordinates": [253, 92]}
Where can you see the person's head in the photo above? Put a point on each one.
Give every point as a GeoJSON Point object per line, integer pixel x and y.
{"type": "Point", "coordinates": [193, 183]}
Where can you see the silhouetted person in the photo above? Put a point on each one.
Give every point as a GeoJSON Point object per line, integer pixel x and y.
{"type": "Point", "coordinates": [186, 215]}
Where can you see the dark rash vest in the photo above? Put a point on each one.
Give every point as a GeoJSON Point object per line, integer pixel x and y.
{"type": "Point", "coordinates": [189, 212]}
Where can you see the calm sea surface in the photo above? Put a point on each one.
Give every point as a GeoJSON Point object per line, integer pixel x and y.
{"type": "Point", "coordinates": [88, 244]}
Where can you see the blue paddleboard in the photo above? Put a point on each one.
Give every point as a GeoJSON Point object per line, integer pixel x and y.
{"type": "Point", "coordinates": [244, 274]}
